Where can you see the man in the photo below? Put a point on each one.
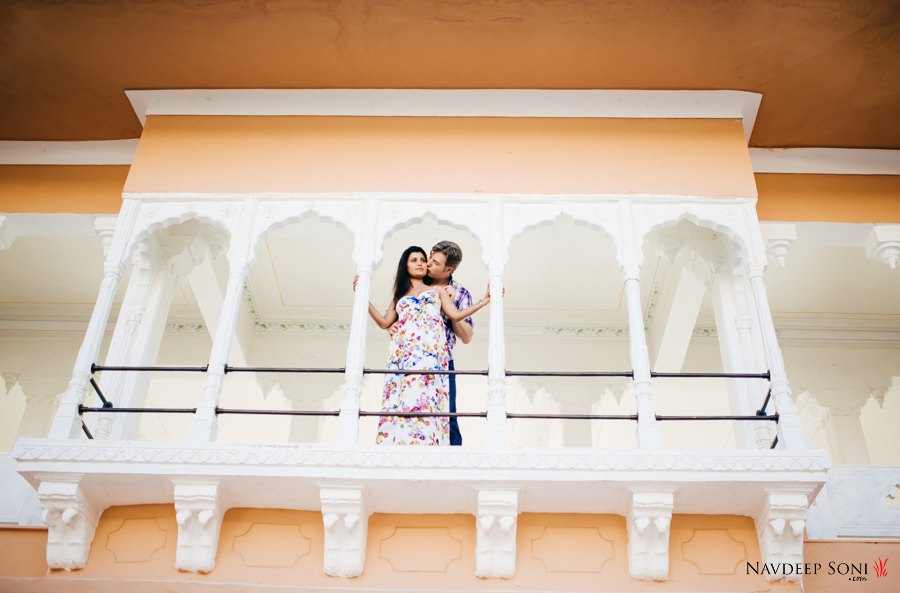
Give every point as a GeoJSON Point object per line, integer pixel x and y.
{"type": "Point", "coordinates": [444, 260]}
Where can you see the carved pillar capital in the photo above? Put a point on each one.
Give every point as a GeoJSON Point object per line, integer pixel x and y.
{"type": "Point", "coordinates": [883, 244]}
{"type": "Point", "coordinates": [346, 525]}
{"type": "Point", "coordinates": [779, 236]}
{"type": "Point", "coordinates": [198, 512]}
{"type": "Point", "coordinates": [779, 525]}
{"type": "Point", "coordinates": [649, 519]}
{"type": "Point", "coordinates": [495, 547]}
{"type": "Point", "coordinates": [105, 227]}
{"type": "Point", "coordinates": [71, 519]}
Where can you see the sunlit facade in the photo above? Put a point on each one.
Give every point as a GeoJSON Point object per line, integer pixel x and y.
{"type": "Point", "coordinates": [689, 385]}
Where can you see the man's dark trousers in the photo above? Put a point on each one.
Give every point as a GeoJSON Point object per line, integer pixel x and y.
{"type": "Point", "coordinates": [455, 435]}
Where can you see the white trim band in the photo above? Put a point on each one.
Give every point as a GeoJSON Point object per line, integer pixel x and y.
{"type": "Point", "coordinates": [101, 152]}
{"type": "Point", "coordinates": [826, 161]}
{"type": "Point", "coordinates": [720, 104]}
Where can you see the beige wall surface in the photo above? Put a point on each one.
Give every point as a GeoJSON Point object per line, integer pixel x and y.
{"type": "Point", "coordinates": [437, 154]}
{"type": "Point", "coordinates": [48, 189]}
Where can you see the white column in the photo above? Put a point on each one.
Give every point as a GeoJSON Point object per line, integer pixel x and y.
{"type": "Point", "coordinates": [136, 339]}
{"type": "Point", "coordinates": [647, 430]}
{"type": "Point", "coordinates": [348, 421]}
{"type": "Point", "coordinates": [740, 353]}
{"type": "Point", "coordinates": [67, 423]}
{"type": "Point", "coordinates": [205, 425]}
{"type": "Point", "coordinates": [495, 432]}
{"type": "Point", "coordinates": [790, 433]}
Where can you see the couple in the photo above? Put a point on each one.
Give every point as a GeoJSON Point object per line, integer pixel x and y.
{"type": "Point", "coordinates": [429, 310]}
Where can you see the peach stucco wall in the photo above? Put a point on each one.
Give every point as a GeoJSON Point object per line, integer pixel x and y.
{"type": "Point", "coordinates": [829, 198]}
{"type": "Point", "coordinates": [435, 154]}
{"type": "Point", "coordinates": [46, 189]}
{"type": "Point", "coordinates": [269, 549]}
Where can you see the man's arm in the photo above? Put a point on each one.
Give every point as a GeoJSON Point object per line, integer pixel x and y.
{"type": "Point", "coordinates": [463, 330]}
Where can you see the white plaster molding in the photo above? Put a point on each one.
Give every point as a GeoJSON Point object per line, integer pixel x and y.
{"type": "Point", "coordinates": [779, 236]}
{"type": "Point", "coordinates": [656, 104]}
{"type": "Point", "coordinates": [346, 524]}
{"type": "Point", "coordinates": [826, 161]}
{"type": "Point", "coordinates": [438, 197]}
{"type": "Point", "coordinates": [71, 518]}
{"type": "Point", "coordinates": [780, 525]}
{"type": "Point", "coordinates": [864, 501]}
{"type": "Point", "coordinates": [883, 244]}
{"type": "Point", "coordinates": [495, 546]}
{"type": "Point", "coordinates": [92, 152]}
{"type": "Point", "coordinates": [198, 513]}
{"type": "Point", "coordinates": [649, 518]}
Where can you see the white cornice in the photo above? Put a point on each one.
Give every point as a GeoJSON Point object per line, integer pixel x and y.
{"type": "Point", "coordinates": [102, 152]}
{"type": "Point", "coordinates": [719, 104]}
{"type": "Point", "coordinates": [826, 161]}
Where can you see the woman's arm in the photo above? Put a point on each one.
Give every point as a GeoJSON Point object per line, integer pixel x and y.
{"type": "Point", "coordinates": [454, 314]}
{"type": "Point", "coordinates": [383, 321]}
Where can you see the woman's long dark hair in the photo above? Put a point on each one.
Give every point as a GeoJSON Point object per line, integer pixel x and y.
{"type": "Point", "coordinates": [402, 282]}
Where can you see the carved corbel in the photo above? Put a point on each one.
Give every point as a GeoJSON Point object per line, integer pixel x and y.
{"type": "Point", "coordinates": [780, 526]}
{"type": "Point", "coordinates": [198, 512]}
{"type": "Point", "coordinates": [71, 519]}
{"type": "Point", "coordinates": [649, 519]}
{"type": "Point", "coordinates": [105, 227]}
{"type": "Point", "coordinates": [346, 525]}
{"type": "Point", "coordinates": [779, 236]}
{"type": "Point", "coordinates": [884, 244]}
{"type": "Point", "coordinates": [495, 547]}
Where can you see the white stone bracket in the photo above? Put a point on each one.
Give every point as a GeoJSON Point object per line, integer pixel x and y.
{"type": "Point", "coordinates": [495, 544]}
{"type": "Point", "coordinates": [780, 526]}
{"type": "Point", "coordinates": [779, 237]}
{"type": "Point", "coordinates": [198, 512]}
{"type": "Point", "coordinates": [649, 519]}
{"type": "Point", "coordinates": [346, 526]}
{"type": "Point", "coordinates": [883, 244]}
{"type": "Point", "coordinates": [71, 520]}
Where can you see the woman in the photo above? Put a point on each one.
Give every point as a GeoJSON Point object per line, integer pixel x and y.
{"type": "Point", "coordinates": [419, 344]}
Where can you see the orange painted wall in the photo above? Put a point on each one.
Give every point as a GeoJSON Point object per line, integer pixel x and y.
{"type": "Point", "coordinates": [409, 154]}
{"type": "Point", "coordinates": [46, 189]}
{"type": "Point", "coordinates": [829, 198]}
{"type": "Point", "coordinates": [268, 549]}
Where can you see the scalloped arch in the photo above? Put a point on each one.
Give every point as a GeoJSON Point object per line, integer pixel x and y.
{"type": "Point", "coordinates": [160, 225]}
{"type": "Point", "coordinates": [310, 212]}
{"type": "Point", "coordinates": [421, 217]}
{"type": "Point", "coordinates": [562, 214]}
{"type": "Point", "coordinates": [702, 222]}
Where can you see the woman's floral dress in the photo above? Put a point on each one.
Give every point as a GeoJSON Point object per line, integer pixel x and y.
{"type": "Point", "coordinates": [420, 343]}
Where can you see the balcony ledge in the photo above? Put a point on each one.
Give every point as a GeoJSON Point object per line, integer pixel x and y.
{"type": "Point", "coordinates": [424, 480]}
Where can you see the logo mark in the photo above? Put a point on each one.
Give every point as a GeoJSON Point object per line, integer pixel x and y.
{"type": "Point", "coordinates": [881, 567]}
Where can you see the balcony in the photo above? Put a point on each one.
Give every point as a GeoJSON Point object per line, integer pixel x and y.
{"type": "Point", "coordinates": [564, 412]}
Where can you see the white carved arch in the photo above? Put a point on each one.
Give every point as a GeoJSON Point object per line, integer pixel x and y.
{"type": "Point", "coordinates": [725, 220]}
{"type": "Point", "coordinates": [598, 217]}
{"type": "Point", "coordinates": [272, 216]}
{"type": "Point", "coordinates": [155, 217]}
{"type": "Point", "coordinates": [396, 216]}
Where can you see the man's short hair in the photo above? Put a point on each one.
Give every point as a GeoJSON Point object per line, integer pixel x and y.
{"type": "Point", "coordinates": [451, 251]}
